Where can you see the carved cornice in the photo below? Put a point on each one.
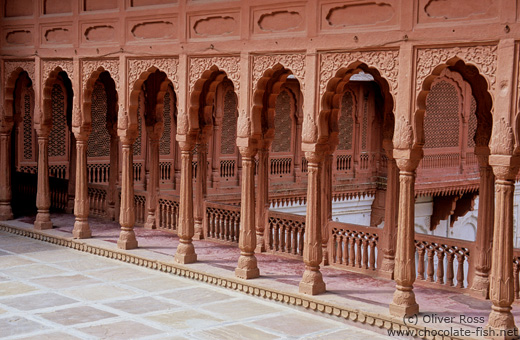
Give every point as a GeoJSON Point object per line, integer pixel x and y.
{"type": "Point", "coordinates": [386, 63]}
{"type": "Point", "coordinates": [90, 66]}
{"type": "Point", "coordinates": [484, 57]}
{"type": "Point", "coordinates": [11, 65]}
{"type": "Point", "coordinates": [50, 65]}
{"type": "Point", "coordinates": [167, 65]}
{"type": "Point", "coordinates": [231, 65]}
{"type": "Point", "coordinates": [293, 62]}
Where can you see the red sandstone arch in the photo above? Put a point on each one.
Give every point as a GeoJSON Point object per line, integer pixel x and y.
{"type": "Point", "coordinates": [10, 89]}
{"type": "Point", "coordinates": [479, 86]}
{"type": "Point", "coordinates": [112, 95]}
{"type": "Point", "coordinates": [56, 76]}
{"type": "Point", "coordinates": [330, 103]}
{"type": "Point", "coordinates": [202, 101]}
{"type": "Point", "coordinates": [264, 101]}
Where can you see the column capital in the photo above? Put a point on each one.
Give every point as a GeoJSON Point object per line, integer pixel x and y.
{"type": "Point", "coordinates": [314, 156]}
{"type": "Point", "coordinates": [81, 135]}
{"type": "Point", "coordinates": [186, 145]}
{"type": "Point", "coordinates": [505, 167]}
{"type": "Point", "coordinates": [407, 159]}
{"type": "Point", "coordinates": [248, 151]}
{"type": "Point", "coordinates": [127, 139]}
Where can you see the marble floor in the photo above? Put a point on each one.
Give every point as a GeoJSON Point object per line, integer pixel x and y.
{"type": "Point", "coordinates": [51, 292]}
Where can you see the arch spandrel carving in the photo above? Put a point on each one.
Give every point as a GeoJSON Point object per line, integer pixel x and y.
{"type": "Point", "coordinates": [65, 64]}
{"type": "Point", "coordinates": [483, 57]}
{"type": "Point", "coordinates": [386, 62]}
{"type": "Point", "coordinates": [230, 65]}
{"type": "Point", "coordinates": [11, 65]}
{"type": "Point", "coordinates": [167, 65]}
{"type": "Point", "coordinates": [90, 66]}
{"type": "Point", "coordinates": [293, 62]}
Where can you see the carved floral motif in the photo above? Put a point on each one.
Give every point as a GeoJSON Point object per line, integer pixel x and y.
{"type": "Point", "coordinates": [502, 141]}
{"type": "Point", "coordinates": [231, 65]}
{"type": "Point", "coordinates": [484, 57]}
{"type": "Point", "coordinates": [403, 135]}
{"type": "Point", "coordinates": [65, 64]}
{"type": "Point", "coordinates": [90, 66]}
{"type": "Point", "coordinates": [11, 66]}
{"type": "Point", "coordinates": [293, 62]}
{"type": "Point", "coordinates": [386, 62]}
{"type": "Point", "coordinates": [167, 65]}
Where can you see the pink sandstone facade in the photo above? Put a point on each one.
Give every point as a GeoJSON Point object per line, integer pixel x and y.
{"type": "Point", "coordinates": [112, 107]}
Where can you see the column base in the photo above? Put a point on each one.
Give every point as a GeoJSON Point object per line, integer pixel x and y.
{"type": "Point", "coordinates": [6, 213]}
{"type": "Point", "coordinates": [501, 324]}
{"type": "Point", "coordinates": [260, 244]}
{"type": "Point", "coordinates": [325, 252]}
{"type": "Point", "coordinates": [312, 282]}
{"type": "Point", "coordinates": [69, 209]}
{"type": "Point", "coordinates": [198, 236]}
{"type": "Point", "coordinates": [150, 222]}
{"type": "Point", "coordinates": [185, 253]}
{"type": "Point", "coordinates": [247, 267]}
{"type": "Point", "coordinates": [43, 221]}
{"type": "Point", "coordinates": [127, 240]}
{"type": "Point", "coordinates": [387, 268]}
{"type": "Point", "coordinates": [81, 230]}
{"type": "Point", "coordinates": [111, 212]}
{"type": "Point", "coordinates": [199, 233]}
{"type": "Point", "coordinates": [480, 287]}
{"type": "Point", "coordinates": [404, 302]}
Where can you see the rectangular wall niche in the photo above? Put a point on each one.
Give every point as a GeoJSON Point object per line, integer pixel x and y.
{"type": "Point", "coordinates": [18, 8]}
{"type": "Point", "coordinates": [99, 5]}
{"type": "Point", "coordinates": [140, 3]}
{"type": "Point", "coordinates": [56, 7]}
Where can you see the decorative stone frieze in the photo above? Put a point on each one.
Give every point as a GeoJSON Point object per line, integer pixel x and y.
{"type": "Point", "coordinates": [137, 66]}
{"type": "Point", "coordinates": [231, 65]}
{"type": "Point", "coordinates": [50, 65]}
{"type": "Point", "coordinates": [293, 62]}
{"type": "Point", "coordinates": [90, 66]}
{"type": "Point", "coordinates": [11, 65]}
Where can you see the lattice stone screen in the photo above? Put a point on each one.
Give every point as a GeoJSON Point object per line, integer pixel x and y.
{"type": "Point", "coordinates": [442, 121]}
{"type": "Point", "coordinates": [137, 143]}
{"type": "Point", "coordinates": [27, 128]}
{"type": "Point", "coordinates": [346, 122]}
{"type": "Point", "coordinates": [282, 123]}
{"type": "Point", "coordinates": [99, 139]}
{"type": "Point", "coordinates": [472, 123]}
{"type": "Point", "coordinates": [165, 143]}
{"type": "Point", "coordinates": [57, 137]}
{"type": "Point", "coordinates": [229, 125]}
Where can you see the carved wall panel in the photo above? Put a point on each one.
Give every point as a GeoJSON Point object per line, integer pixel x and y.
{"type": "Point", "coordinates": [50, 65]}
{"type": "Point", "coordinates": [293, 62]}
{"type": "Point", "coordinates": [18, 8]}
{"type": "Point", "coordinates": [214, 26]}
{"type": "Point", "coordinates": [56, 6]}
{"type": "Point", "coordinates": [90, 66]}
{"type": "Point", "coordinates": [231, 65]}
{"type": "Point", "coordinates": [444, 11]}
{"type": "Point", "coordinates": [18, 37]}
{"type": "Point", "coordinates": [102, 32]}
{"type": "Point", "coordinates": [98, 5]}
{"type": "Point", "coordinates": [483, 57]}
{"type": "Point", "coordinates": [386, 63]}
{"type": "Point", "coordinates": [352, 16]}
{"type": "Point", "coordinates": [136, 67]}
{"type": "Point", "coordinates": [11, 66]}
{"type": "Point", "coordinates": [56, 35]}
{"type": "Point", "coordinates": [283, 20]}
{"type": "Point", "coordinates": [158, 29]}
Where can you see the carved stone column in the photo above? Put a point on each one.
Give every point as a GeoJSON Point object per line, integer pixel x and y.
{"type": "Point", "coordinates": [81, 204]}
{"type": "Point", "coordinates": [262, 198]}
{"type": "Point", "coordinates": [404, 303]}
{"type": "Point", "coordinates": [388, 242]}
{"type": "Point", "coordinates": [326, 205]}
{"type": "Point", "coordinates": [200, 190]}
{"type": "Point", "coordinates": [501, 283]}
{"type": "Point", "coordinates": [247, 266]}
{"type": "Point", "coordinates": [127, 238]}
{"type": "Point", "coordinates": [312, 281]}
{"type": "Point", "coordinates": [113, 176]}
{"type": "Point", "coordinates": [43, 194]}
{"type": "Point", "coordinates": [484, 239]}
{"type": "Point", "coordinates": [153, 184]}
{"type": "Point", "coordinates": [185, 250]}
{"type": "Point", "coordinates": [6, 213]}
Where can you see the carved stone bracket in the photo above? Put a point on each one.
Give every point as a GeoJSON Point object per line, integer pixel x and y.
{"type": "Point", "coordinates": [231, 65]}
{"type": "Point", "coordinates": [386, 63]}
{"type": "Point", "coordinates": [50, 65]}
{"type": "Point", "coordinates": [11, 65]}
{"type": "Point", "coordinates": [168, 65]}
{"type": "Point", "coordinates": [403, 135]}
{"type": "Point", "coordinates": [293, 62]}
{"type": "Point", "coordinates": [484, 57]}
{"type": "Point", "coordinates": [502, 141]}
{"type": "Point", "coordinates": [90, 66]}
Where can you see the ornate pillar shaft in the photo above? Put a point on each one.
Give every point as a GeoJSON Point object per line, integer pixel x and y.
{"type": "Point", "coordinates": [501, 283]}
{"type": "Point", "coordinates": [127, 238]}
{"type": "Point", "coordinates": [262, 201]}
{"type": "Point", "coordinates": [43, 194]}
{"type": "Point", "coordinates": [326, 205]}
{"type": "Point", "coordinates": [404, 303]}
{"type": "Point", "coordinates": [312, 280]}
{"type": "Point", "coordinates": [153, 184]}
{"type": "Point", "coordinates": [81, 204]}
{"type": "Point", "coordinates": [391, 215]}
{"type": "Point", "coordinates": [113, 176]}
{"type": "Point", "coordinates": [200, 190]}
{"type": "Point", "coordinates": [6, 213]}
{"type": "Point", "coordinates": [185, 250]}
{"type": "Point", "coordinates": [247, 265]}
{"type": "Point", "coordinates": [484, 239]}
